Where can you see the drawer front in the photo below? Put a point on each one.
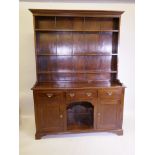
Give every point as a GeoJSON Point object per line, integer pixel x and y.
{"type": "Point", "coordinates": [110, 93]}
{"type": "Point", "coordinates": [83, 94]}
{"type": "Point", "coordinates": [49, 96]}
{"type": "Point", "coordinates": [109, 102]}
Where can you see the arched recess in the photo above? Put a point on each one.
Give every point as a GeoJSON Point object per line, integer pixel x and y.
{"type": "Point", "coordinates": [80, 115]}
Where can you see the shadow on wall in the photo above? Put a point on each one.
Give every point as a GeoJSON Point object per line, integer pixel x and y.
{"type": "Point", "coordinates": [26, 106]}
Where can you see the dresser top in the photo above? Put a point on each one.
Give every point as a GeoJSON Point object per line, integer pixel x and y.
{"type": "Point", "coordinates": [92, 13]}
{"type": "Point", "coordinates": [75, 85]}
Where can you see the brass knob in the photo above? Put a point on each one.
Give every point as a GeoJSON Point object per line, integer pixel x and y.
{"type": "Point", "coordinates": [49, 95]}
{"type": "Point", "coordinates": [72, 94]}
{"type": "Point", "coordinates": [89, 94]}
{"type": "Point", "coordinates": [98, 114]}
{"type": "Point", "coordinates": [109, 93]}
{"type": "Point", "coordinates": [61, 116]}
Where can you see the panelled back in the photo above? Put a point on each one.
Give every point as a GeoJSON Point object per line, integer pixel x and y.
{"type": "Point", "coordinates": [76, 49]}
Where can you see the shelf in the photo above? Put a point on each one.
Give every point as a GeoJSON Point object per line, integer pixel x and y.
{"type": "Point", "coordinates": [103, 54]}
{"type": "Point", "coordinates": [79, 127]}
{"type": "Point", "coordinates": [75, 85]}
{"type": "Point", "coordinates": [67, 30]}
{"type": "Point", "coordinates": [76, 49]}
{"type": "Point", "coordinates": [79, 72]}
{"type": "Point", "coordinates": [69, 81]}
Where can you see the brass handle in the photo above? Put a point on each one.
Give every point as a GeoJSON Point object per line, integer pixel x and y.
{"type": "Point", "coordinates": [109, 93]}
{"type": "Point", "coordinates": [89, 94]}
{"type": "Point", "coordinates": [49, 95]}
{"type": "Point", "coordinates": [98, 114]}
{"type": "Point", "coordinates": [72, 94]}
{"type": "Point", "coordinates": [61, 116]}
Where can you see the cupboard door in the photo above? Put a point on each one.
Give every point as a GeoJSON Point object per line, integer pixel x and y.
{"type": "Point", "coordinates": [108, 114]}
{"type": "Point", "coordinates": [49, 109]}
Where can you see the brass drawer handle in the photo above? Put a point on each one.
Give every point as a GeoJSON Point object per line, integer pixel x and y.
{"type": "Point", "coordinates": [98, 114]}
{"type": "Point", "coordinates": [61, 116]}
{"type": "Point", "coordinates": [89, 94]}
{"type": "Point", "coordinates": [109, 93]}
{"type": "Point", "coordinates": [72, 94]}
{"type": "Point", "coordinates": [49, 95]}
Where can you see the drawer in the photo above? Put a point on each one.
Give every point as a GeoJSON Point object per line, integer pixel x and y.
{"type": "Point", "coordinates": [48, 96]}
{"type": "Point", "coordinates": [110, 93]}
{"type": "Point", "coordinates": [109, 102]}
{"type": "Point", "coordinates": [83, 94]}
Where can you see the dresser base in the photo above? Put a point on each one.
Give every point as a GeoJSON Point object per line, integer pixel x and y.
{"type": "Point", "coordinates": [39, 135]}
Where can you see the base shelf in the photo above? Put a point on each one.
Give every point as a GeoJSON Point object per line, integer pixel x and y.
{"type": "Point", "coordinates": [77, 127]}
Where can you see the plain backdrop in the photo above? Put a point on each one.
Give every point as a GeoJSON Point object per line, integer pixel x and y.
{"type": "Point", "coordinates": [28, 78]}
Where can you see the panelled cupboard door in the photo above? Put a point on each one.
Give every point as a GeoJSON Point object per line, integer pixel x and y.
{"type": "Point", "coordinates": [108, 114]}
{"type": "Point", "coordinates": [49, 111]}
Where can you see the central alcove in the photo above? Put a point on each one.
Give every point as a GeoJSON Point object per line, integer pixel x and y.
{"type": "Point", "coordinates": [80, 115]}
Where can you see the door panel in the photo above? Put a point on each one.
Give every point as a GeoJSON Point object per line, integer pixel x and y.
{"type": "Point", "coordinates": [107, 114]}
{"type": "Point", "coordinates": [50, 111]}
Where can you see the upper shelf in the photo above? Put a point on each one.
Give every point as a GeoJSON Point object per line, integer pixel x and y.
{"type": "Point", "coordinates": [67, 30]}
{"type": "Point", "coordinates": [76, 24]}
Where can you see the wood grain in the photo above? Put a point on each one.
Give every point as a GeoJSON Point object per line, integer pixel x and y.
{"type": "Point", "coordinates": [77, 89]}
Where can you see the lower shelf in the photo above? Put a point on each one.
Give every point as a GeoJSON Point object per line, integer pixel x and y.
{"type": "Point", "coordinates": [79, 127]}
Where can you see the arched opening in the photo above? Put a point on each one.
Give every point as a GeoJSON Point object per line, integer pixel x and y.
{"type": "Point", "coordinates": [80, 115]}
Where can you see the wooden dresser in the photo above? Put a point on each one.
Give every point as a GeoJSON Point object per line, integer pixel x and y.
{"type": "Point", "coordinates": [77, 89]}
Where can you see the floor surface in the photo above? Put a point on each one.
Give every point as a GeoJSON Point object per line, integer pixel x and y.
{"type": "Point", "coordinates": [76, 144]}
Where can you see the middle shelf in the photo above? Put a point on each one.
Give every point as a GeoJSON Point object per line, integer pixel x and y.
{"type": "Point", "coordinates": [80, 71]}
{"type": "Point", "coordinates": [78, 63]}
{"type": "Point", "coordinates": [70, 30]}
{"type": "Point", "coordinates": [80, 54]}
